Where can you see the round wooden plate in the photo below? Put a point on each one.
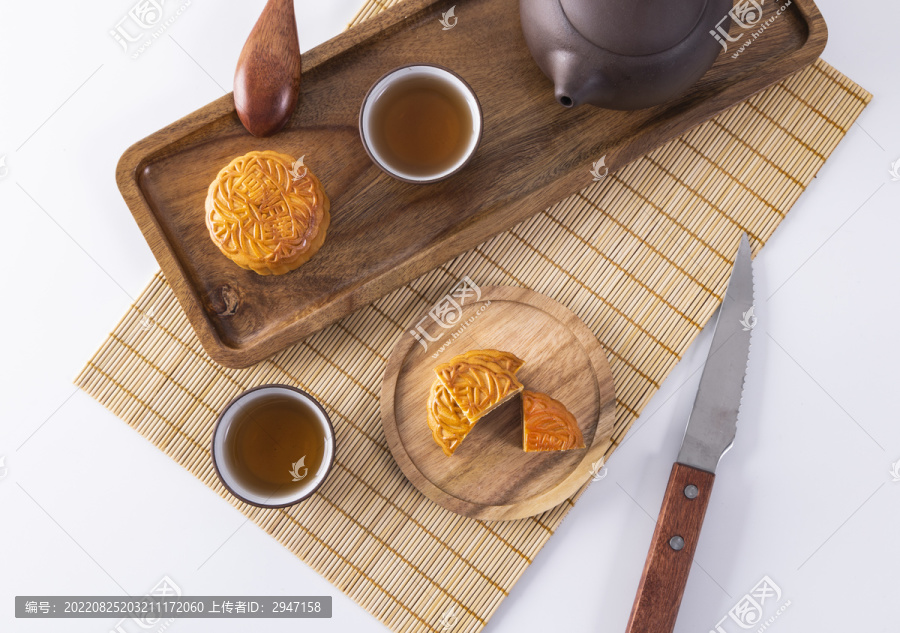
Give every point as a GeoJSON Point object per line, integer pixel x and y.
{"type": "Point", "coordinates": [489, 476]}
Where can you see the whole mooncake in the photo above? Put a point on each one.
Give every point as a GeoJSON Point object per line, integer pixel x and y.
{"type": "Point", "coordinates": [547, 425]}
{"type": "Point", "coordinates": [267, 212]}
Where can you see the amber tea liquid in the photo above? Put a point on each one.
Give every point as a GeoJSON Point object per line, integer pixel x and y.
{"type": "Point", "coordinates": [276, 445]}
{"type": "Point", "coordinates": [421, 125]}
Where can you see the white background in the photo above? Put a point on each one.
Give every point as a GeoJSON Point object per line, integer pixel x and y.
{"type": "Point", "coordinates": [89, 507]}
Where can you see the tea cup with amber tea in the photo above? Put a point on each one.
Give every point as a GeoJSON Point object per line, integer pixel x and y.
{"type": "Point", "coordinates": [273, 446]}
{"type": "Point", "coordinates": [420, 123]}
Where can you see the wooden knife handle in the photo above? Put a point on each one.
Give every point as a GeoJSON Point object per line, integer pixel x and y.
{"type": "Point", "coordinates": [669, 560]}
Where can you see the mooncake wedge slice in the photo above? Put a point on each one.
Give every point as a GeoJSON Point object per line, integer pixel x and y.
{"type": "Point", "coordinates": [507, 360]}
{"type": "Point", "coordinates": [449, 425]}
{"type": "Point", "coordinates": [547, 425]}
{"type": "Point", "coordinates": [479, 381]}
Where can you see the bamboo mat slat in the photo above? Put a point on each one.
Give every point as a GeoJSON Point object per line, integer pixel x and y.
{"type": "Point", "coordinates": [641, 256]}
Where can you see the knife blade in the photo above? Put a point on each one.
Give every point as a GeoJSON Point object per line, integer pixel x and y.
{"type": "Point", "coordinates": [709, 434]}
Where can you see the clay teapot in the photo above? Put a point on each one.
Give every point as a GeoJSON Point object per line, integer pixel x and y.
{"type": "Point", "coordinates": [622, 54]}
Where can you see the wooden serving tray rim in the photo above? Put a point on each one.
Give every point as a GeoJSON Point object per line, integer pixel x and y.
{"type": "Point", "coordinates": [138, 156]}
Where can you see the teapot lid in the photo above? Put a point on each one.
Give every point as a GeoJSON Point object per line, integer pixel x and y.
{"type": "Point", "coordinates": [634, 27]}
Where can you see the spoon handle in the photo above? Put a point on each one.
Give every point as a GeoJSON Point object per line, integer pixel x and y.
{"type": "Point", "coordinates": [267, 78]}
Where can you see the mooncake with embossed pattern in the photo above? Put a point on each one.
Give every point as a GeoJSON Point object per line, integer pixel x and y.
{"type": "Point", "coordinates": [480, 380]}
{"type": "Point", "coordinates": [547, 425]}
{"type": "Point", "coordinates": [267, 212]}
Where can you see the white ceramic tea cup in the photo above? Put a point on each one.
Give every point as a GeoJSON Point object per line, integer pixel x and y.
{"type": "Point", "coordinates": [391, 81]}
{"type": "Point", "coordinates": [222, 455]}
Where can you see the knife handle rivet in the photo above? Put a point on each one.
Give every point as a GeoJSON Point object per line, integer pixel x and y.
{"type": "Point", "coordinates": [676, 543]}
{"type": "Point", "coordinates": [691, 491]}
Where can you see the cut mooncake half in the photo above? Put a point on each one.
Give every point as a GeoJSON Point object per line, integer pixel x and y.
{"type": "Point", "coordinates": [547, 425]}
{"type": "Point", "coordinates": [449, 425]}
{"type": "Point", "coordinates": [479, 381]}
{"type": "Point", "coordinates": [506, 360]}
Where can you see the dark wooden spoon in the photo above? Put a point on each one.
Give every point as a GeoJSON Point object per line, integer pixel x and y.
{"type": "Point", "coordinates": [267, 79]}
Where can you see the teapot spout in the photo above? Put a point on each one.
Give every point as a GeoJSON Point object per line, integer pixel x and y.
{"type": "Point", "coordinates": [570, 86]}
{"type": "Point", "coordinates": [564, 98]}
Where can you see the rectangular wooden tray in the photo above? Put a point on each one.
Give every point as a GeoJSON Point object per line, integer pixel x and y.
{"type": "Point", "coordinates": [385, 232]}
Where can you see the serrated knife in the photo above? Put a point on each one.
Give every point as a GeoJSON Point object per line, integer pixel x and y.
{"type": "Point", "coordinates": [709, 434]}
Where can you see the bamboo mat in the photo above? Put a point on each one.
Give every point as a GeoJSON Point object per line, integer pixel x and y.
{"type": "Point", "coordinates": [642, 257]}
